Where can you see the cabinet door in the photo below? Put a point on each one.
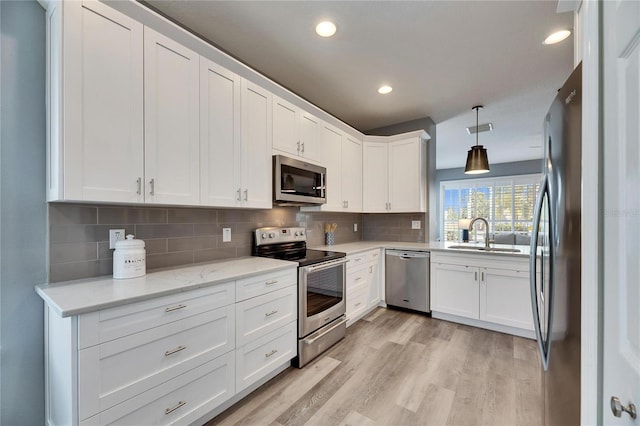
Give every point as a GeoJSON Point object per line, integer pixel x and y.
{"type": "Point", "coordinates": [101, 140]}
{"type": "Point", "coordinates": [405, 180]}
{"type": "Point", "coordinates": [505, 297]}
{"type": "Point", "coordinates": [256, 146]}
{"type": "Point", "coordinates": [309, 128]}
{"type": "Point", "coordinates": [285, 127]}
{"type": "Point", "coordinates": [375, 284]}
{"type": "Point", "coordinates": [220, 156]}
{"type": "Point", "coordinates": [351, 174]}
{"type": "Point", "coordinates": [171, 121]}
{"type": "Point", "coordinates": [455, 290]}
{"type": "Point", "coordinates": [376, 177]}
{"type": "Point", "coordinates": [330, 155]}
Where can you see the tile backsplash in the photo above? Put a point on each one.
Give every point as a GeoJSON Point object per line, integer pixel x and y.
{"type": "Point", "coordinates": [79, 234]}
{"type": "Point", "coordinates": [394, 227]}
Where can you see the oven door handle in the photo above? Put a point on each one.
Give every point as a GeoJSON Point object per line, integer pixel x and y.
{"type": "Point", "coordinates": [324, 265]}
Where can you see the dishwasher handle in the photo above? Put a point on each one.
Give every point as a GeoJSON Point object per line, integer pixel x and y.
{"type": "Point", "coordinates": [408, 255]}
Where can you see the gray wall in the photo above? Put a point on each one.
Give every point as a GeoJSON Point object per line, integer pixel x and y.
{"type": "Point", "coordinates": [22, 211]}
{"type": "Point", "coordinates": [430, 220]}
{"type": "Point", "coordinates": [503, 169]}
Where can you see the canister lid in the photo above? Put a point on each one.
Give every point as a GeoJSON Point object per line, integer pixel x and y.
{"type": "Point", "coordinates": [129, 243]}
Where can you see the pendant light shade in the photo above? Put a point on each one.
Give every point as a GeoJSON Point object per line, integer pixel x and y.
{"type": "Point", "coordinates": [477, 160]}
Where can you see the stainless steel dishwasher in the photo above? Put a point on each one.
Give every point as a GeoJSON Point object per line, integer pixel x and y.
{"type": "Point", "coordinates": [407, 279]}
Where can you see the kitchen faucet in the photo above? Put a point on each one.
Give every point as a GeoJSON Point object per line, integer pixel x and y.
{"type": "Point", "coordinates": [486, 229]}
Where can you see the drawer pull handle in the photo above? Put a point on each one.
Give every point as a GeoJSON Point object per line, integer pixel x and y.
{"type": "Point", "coordinates": [173, 351]}
{"type": "Point", "coordinates": [175, 308]}
{"type": "Point", "coordinates": [358, 304]}
{"type": "Point", "coordinates": [268, 314]}
{"type": "Point", "coordinates": [358, 259]}
{"type": "Point", "coordinates": [271, 282]}
{"type": "Point", "coordinates": [175, 407]}
{"type": "Point", "coordinates": [273, 351]}
{"type": "Point", "coordinates": [358, 278]}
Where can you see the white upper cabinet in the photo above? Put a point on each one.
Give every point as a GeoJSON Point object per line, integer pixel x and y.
{"type": "Point", "coordinates": [351, 174]}
{"type": "Point", "coordinates": [256, 188]}
{"type": "Point", "coordinates": [330, 155]}
{"type": "Point", "coordinates": [220, 143]}
{"type": "Point", "coordinates": [395, 173]}
{"type": "Point", "coordinates": [171, 121]}
{"type": "Point", "coordinates": [295, 132]}
{"type": "Point", "coordinates": [95, 113]}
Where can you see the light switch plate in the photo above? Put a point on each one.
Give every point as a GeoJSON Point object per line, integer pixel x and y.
{"type": "Point", "coordinates": [226, 235]}
{"type": "Point", "coordinates": [415, 224]}
{"type": "Point", "coordinates": [115, 235]}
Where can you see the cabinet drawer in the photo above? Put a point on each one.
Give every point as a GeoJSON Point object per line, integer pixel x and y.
{"type": "Point", "coordinates": [258, 358]}
{"type": "Point", "coordinates": [357, 259]}
{"type": "Point", "coordinates": [373, 256]}
{"type": "Point", "coordinates": [180, 401]}
{"type": "Point", "coordinates": [115, 371]}
{"type": "Point", "coordinates": [109, 324]}
{"type": "Point", "coordinates": [256, 286]}
{"type": "Point", "coordinates": [358, 278]}
{"type": "Point", "coordinates": [356, 301]}
{"type": "Point", "coordinates": [262, 314]}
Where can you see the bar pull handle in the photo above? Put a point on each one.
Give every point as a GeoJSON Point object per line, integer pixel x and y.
{"type": "Point", "coordinates": [246, 195]}
{"type": "Point", "coordinates": [139, 183]}
{"type": "Point", "coordinates": [175, 308]}
{"type": "Point", "coordinates": [238, 198]}
{"type": "Point", "coordinates": [273, 352]}
{"type": "Point", "coordinates": [176, 350]}
{"type": "Point", "coordinates": [303, 147]}
{"type": "Point", "coordinates": [272, 282]}
{"type": "Point", "coordinates": [174, 408]}
{"type": "Point", "coordinates": [298, 146]}
{"type": "Point", "coordinates": [268, 314]}
{"type": "Point", "coordinates": [152, 184]}
{"type": "Point", "coordinates": [475, 276]}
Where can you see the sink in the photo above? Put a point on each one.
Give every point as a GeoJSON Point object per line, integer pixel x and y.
{"type": "Point", "coordinates": [483, 248]}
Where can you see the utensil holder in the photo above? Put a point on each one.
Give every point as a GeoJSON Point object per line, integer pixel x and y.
{"type": "Point", "coordinates": [330, 238]}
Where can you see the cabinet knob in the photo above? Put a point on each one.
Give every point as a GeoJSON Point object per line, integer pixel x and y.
{"type": "Point", "coordinates": [617, 408]}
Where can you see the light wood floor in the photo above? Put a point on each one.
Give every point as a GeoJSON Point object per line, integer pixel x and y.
{"type": "Point", "coordinates": [398, 368]}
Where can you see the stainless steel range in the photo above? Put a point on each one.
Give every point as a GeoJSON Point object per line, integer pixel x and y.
{"type": "Point", "coordinates": [321, 288]}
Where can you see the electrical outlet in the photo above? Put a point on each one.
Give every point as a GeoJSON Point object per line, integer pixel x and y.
{"type": "Point", "coordinates": [226, 235]}
{"type": "Point", "coordinates": [415, 224]}
{"type": "Point", "coordinates": [115, 235]}
{"type": "Point", "coordinates": [355, 227]}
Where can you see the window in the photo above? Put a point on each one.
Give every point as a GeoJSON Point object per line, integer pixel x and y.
{"type": "Point", "coordinates": [506, 202]}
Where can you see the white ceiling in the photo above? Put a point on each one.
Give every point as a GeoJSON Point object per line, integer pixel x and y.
{"type": "Point", "coordinates": [441, 57]}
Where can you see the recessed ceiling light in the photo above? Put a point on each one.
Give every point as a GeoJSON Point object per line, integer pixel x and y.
{"type": "Point", "coordinates": [383, 90]}
{"type": "Point", "coordinates": [557, 37]}
{"type": "Point", "coordinates": [326, 29]}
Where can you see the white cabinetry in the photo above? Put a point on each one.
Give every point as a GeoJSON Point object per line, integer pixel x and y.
{"type": "Point", "coordinates": [235, 140]}
{"type": "Point", "coordinates": [490, 291]}
{"type": "Point", "coordinates": [363, 284]}
{"type": "Point", "coordinates": [395, 173]}
{"type": "Point", "coordinates": [341, 154]}
{"type": "Point", "coordinates": [255, 189]}
{"type": "Point", "coordinates": [295, 132]}
{"type": "Point", "coordinates": [95, 111]}
{"type": "Point", "coordinates": [171, 147]}
{"type": "Point", "coordinates": [170, 359]}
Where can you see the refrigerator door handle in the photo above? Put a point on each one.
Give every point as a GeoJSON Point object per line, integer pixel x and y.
{"type": "Point", "coordinates": [533, 257]}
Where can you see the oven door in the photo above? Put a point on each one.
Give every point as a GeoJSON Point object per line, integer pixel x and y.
{"type": "Point", "coordinates": [321, 294]}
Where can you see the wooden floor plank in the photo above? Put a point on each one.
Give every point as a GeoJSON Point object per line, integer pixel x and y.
{"type": "Point", "coordinates": [400, 368]}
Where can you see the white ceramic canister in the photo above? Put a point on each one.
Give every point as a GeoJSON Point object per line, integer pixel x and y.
{"type": "Point", "coordinates": [129, 258]}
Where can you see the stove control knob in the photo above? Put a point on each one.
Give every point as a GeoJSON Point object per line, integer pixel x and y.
{"type": "Point", "coordinates": [272, 234]}
{"type": "Point", "coordinates": [301, 233]}
{"type": "Point", "coordinates": [264, 236]}
{"type": "Point", "coordinates": [298, 233]}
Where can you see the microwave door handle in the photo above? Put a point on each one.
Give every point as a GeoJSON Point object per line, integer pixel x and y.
{"type": "Point", "coordinates": [322, 185]}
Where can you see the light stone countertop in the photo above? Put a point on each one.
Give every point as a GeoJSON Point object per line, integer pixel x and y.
{"type": "Point", "coordinates": [360, 246]}
{"type": "Point", "coordinates": [92, 294]}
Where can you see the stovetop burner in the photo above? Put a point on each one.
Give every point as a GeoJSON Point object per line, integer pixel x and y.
{"type": "Point", "coordinates": [289, 244]}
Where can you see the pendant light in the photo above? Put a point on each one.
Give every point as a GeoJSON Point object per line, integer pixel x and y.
{"type": "Point", "coordinates": [477, 161]}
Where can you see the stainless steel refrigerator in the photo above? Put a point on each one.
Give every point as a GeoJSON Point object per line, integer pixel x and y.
{"type": "Point", "coordinates": [555, 267]}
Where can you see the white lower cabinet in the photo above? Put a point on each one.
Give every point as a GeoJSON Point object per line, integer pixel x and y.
{"type": "Point", "coordinates": [171, 359]}
{"type": "Point", "coordinates": [363, 284]}
{"type": "Point", "coordinates": [492, 291]}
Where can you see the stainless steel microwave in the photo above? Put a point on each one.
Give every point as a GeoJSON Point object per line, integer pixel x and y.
{"type": "Point", "coordinates": [297, 183]}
